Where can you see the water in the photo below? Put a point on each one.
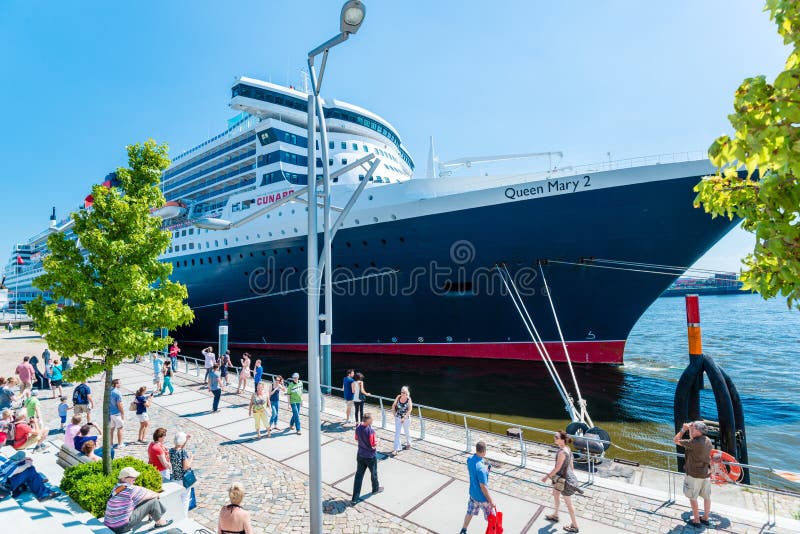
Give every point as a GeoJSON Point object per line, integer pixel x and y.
{"type": "Point", "coordinates": [755, 341]}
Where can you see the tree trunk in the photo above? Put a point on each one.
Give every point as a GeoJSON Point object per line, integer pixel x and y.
{"type": "Point", "coordinates": [107, 437]}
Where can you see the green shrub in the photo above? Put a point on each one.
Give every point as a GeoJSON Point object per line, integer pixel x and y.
{"type": "Point", "coordinates": [88, 487]}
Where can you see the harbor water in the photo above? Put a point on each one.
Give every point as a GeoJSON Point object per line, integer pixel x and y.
{"type": "Point", "coordinates": [755, 341]}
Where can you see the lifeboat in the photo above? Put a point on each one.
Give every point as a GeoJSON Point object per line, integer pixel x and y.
{"type": "Point", "coordinates": [170, 209]}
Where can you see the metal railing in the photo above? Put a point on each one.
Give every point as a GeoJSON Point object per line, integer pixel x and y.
{"type": "Point", "coordinates": [452, 423]}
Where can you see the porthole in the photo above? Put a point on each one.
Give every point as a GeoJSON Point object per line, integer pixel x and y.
{"type": "Point", "coordinates": [219, 259]}
{"type": "Point", "coordinates": [263, 252]}
{"type": "Point", "coordinates": [225, 241]}
{"type": "Point", "coordinates": [184, 263]}
{"type": "Point", "coordinates": [270, 234]}
{"type": "Point", "coordinates": [210, 259]}
{"type": "Point", "coordinates": [370, 197]}
{"type": "Point", "coordinates": [267, 215]}
{"type": "Point", "coordinates": [275, 251]}
{"type": "Point", "coordinates": [192, 262]}
{"type": "Point", "coordinates": [201, 261]}
{"type": "Point", "coordinates": [394, 217]}
{"type": "Point", "coordinates": [288, 251]}
{"type": "Point", "coordinates": [246, 273]}
{"type": "Point", "coordinates": [241, 256]}
{"type": "Point", "coordinates": [383, 241]}
{"type": "Point", "coordinates": [374, 219]}
{"type": "Point", "coordinates": [302, 249]}
{"type": "Point", "coordinates": [251, 254]}
{"type": "Point", "coordinates": [216, 243]}
{"type": "Point", "coordinates": [247, 238]}
{"type": "Point", "coordinates": [283, 232]}
{"type": "Point", "coordinates": [229, 257]}
{"type": "Point", "coordinates": [357, 221]}
{"type": "Point", "coordinates": [236, 239]}
{"type": "Point", "coordinates": [280, 213]}
{"type": "Point", "coordinates": [295, 230]}
{"type": "Point", "coordinates": [258, 236]}
{"type": "Point", "coordinates": [292, 212]}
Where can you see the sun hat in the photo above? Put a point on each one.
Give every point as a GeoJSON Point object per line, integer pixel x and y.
{"type": "Point", "coordinates": [127, 472]}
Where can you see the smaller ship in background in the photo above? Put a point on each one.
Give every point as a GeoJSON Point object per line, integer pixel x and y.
{"type": "Point", "coordinates": [718, 284]}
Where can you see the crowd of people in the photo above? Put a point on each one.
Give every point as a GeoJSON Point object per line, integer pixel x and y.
{"type": "Point", "coordinates": [22, 426]}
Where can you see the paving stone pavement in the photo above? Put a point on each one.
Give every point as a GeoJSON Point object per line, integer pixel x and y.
{"type": "Point", "coordinates": [273, 473]}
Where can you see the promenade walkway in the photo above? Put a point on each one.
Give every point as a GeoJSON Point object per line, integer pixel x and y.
{"type": "Point", "coordinates": [426, 487]}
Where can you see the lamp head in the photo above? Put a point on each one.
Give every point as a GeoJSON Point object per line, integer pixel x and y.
{"type": "Point", "coordinates": [353, 13]}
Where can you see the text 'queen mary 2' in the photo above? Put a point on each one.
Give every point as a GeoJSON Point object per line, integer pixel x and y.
{"type": "Point", "coordinates": [413, 260]}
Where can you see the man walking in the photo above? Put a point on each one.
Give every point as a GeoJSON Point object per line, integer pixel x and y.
{"type": "Point", "coordinates": [158, 368]}
{"type": "Point", "coordinates": [210, 360]}
{"type": "Point", "coordinates": [347, 387]}
{"type": "Point", "coordinates": [479, 496]}
{"type": "Point", "coordinates": [82, 401]}
{"type": "Point", "coordinates": [173, 356]}
{"type": "Point", "coordinates": [698, 468]}
{"type": "Point", "coordinates": [117, 413]}
{"type": "Point", "coordinates": [214, 386]}
{"type": "Point", "coordinates": [295, 391]}
{"type": "Point", "coordinates": [25, 372]}
{"type": "Point", "coordinates": [366, 458]}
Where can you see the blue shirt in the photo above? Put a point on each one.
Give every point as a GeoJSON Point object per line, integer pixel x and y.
{"type": "Point", "coordinates": [347, 386]}
{"type": "Point", "coordinates": [5, 397]}
{"type": "Point", "coordinates": [113, 400]}
{"type": "Point", "coordinates": [365, 435]}
{"type": "Point", "coordinates": [158, 363]}
{"type": "Point", "coordinates": [213, 380]}
{"type": "Point", "coordinates": [62, 409]}
{"type": "Point", "coordinates": [478, 474]}
{"type": "Point", "coordinates": [56, 372]}
{"type": "Point", "coordinates": [257, 376]}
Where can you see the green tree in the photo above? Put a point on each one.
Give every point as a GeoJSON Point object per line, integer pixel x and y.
{"type": "Point", "coordinates": [767, 140]}
{"type": "Point", "coordinates": [118, 294]}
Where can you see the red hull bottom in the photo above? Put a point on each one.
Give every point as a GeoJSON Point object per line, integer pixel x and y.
{"type": "Point", "coordinates": [583, 352]}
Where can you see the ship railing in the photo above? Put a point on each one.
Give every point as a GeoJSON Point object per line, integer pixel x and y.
{"type": "Point", "coordinates": [461, 431]}
{"type": "Point", "coordinates": [639, 161]}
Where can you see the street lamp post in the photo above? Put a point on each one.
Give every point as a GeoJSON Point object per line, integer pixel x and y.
{"type": "Point", "coordinates": [351, 17]}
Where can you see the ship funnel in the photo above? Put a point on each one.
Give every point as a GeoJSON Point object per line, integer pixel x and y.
{"type": "Point", "coordinates": [53, 218]}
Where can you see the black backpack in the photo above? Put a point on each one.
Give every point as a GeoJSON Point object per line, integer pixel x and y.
{"type": "Point", "coordinates": [79, 395]}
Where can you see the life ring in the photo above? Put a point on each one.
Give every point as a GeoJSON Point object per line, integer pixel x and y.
{"type": "Point", "coordinates": [722, 473]}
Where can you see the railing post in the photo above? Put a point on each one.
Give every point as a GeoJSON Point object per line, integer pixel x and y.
{"type": "Point", "coordinates": [196, 369]}
{"type": "Point", "coordinates": [523, 450]}
{"type": "Point", "coordinates": [469, 435]}
{"type": "Point", "coordinates": [670, 485]}
{"type": "Point", "coordinates": [421, 423]}
{"type": "Point", "coordinates": [185, 365]}
{"type": "Point", "coordinates": [383, 414]}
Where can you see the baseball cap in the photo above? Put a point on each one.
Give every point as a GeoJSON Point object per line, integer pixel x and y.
{"type": "Point", "coordinates": [128, 472]}
{"type": "Point", "coordinates": [296, 375]}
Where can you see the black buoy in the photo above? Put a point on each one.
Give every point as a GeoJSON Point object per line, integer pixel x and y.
{"type": "Point", "coordinates": [732, 436]}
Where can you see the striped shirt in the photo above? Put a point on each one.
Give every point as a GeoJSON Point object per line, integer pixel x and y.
{"type": "Point", "coordinates": [124, 498]}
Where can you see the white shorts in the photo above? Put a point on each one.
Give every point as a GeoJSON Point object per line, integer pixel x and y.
{"type": "Point", "coordinates": [142, 417]}
{"type": "Point", "coordinates": [116, 422]}
{"type": "Point", "coordinates": [696, 487]}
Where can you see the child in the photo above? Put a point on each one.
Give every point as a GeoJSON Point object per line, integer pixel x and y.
{"type": "Point", "coordinates": [62, 412]}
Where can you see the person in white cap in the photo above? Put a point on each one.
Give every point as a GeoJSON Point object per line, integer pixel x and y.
{"type": "Point", "coordinates": [295, 392]}
{"type": "Point", "coordinates": [130, 506]}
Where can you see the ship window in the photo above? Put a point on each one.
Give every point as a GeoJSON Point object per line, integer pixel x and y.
{"type": "Point", "coordinates": [344, 161]}
{"type": "Point", "coordinates": [330, 162]}
{"type": "Point", "coordinates": [177, 264]}
{"type": "Point", "coordinates": [210, 259]}
{"type": "Point", "coordinates": [219, 259]}
{"type": "Point", "coordinates": [191, 246]}
{"type": "Point", "coordinates": [216, 243]}
{"type": "Point", "coordinates": [316, 144]}
{"type": "Point", "coordinates": [355, 146]}
{"type": "Point", "coordinates": [366, 149]}
{"type": "Point", "coordinates": [336, 179]}
{"type": "Point", "coordinates": [236, 239]}
{"type": "Point", "coordinates": [225, 241]}
{"type": "Point", "coordinates": [235, 207]}
{"type": "Point", "coordinates": [344, 145]}
{"type": "Point", "coordinates": [192, 262]}
{"type": "Point", "coordinates": [176, 234]}
{"type": "Point", "coordinates": [360, 177]}
{"type": "Point", "coordinates": [191, 231]}
{"type": "Point", "coordinates": [184, 263]}
{"type": "Point", "coordinates": [229, 257]}
{"type": "Point", "coordinates": [330, 145]}
{"type": "Point", "coordinates": [201, 261]}
{"type": "Point", "coordinates": [183, 232]}
{"type": "Point", "coordinates": [208, 245]}
{"type": "Point", "coordinates": [183, 247]}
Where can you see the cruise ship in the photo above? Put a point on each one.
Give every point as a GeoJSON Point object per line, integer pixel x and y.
{"type": "Point", "coordinates": [414, 261]}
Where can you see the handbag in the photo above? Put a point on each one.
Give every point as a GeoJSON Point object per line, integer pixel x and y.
{"type": "Point", "coordinates": [495, 523]}
{"type": "Point", "coordinates": [189, 478]}
{"type": "Point", "coordinates": [559, 480]}
{"type": "Point", "coordinates": [192, 499]}
{"type": "Point", "coordinates": [133, 406]}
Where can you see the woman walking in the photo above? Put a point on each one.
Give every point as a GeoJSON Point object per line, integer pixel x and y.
{"type": "Point", "coordinates": [565, 483]}
{"type": "Point", "coordinates": [274, 399]}
{"type": "Point", "coordinates": [259, 403]}
{"type": "Point", "coordinates": [359, 396]}
{"type": "Point", "coordinates": [245, 374]}
{"type": "Point", "coordinates": [402, 409]}
{"type": "Point", "coordinates": [167, 372]}
{"type": "Point", "coordinates": [180, 461]}
{"type": "Point", "coordinates": [142, 402]}
{"type": "Point", "coordinates": [224, 364]}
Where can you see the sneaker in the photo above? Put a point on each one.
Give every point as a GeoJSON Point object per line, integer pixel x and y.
{"type": "Point", "coordinates": [704, 521]}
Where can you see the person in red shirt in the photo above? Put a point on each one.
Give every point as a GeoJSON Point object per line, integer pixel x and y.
{"type": "Point", "coordinates": [28, 433]}
{"type": "Point", "coordinates": [26, 373]}
{"type": "Point", "coordinates": [158, 455]}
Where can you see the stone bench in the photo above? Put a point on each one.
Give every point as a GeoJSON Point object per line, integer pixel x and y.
{"type": "Point", "coordinates": [69, 457]}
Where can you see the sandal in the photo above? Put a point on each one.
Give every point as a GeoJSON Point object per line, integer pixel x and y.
{"type": "Point", "coordinates": [570, 528]}
{"type": "Point", "coordinates": [552, 517]}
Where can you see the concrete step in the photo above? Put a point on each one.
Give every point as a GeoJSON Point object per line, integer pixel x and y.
{"type": "Point", "coordinates": [11, 513]}
{"type": "Point", "coordinates": [44, 521]}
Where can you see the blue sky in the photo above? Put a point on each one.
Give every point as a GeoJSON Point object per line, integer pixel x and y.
{"type": "Point", "coordinates": [82, 80]}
